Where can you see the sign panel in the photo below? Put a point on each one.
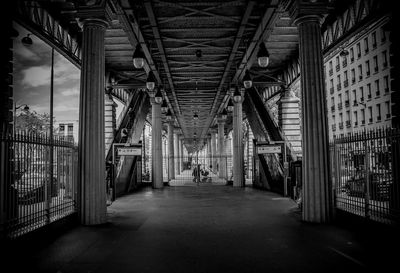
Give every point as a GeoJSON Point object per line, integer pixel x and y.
{"type": "Point", "coordinates": [129, 151]}
{"type": "Point", "coordinates": [269, 149]}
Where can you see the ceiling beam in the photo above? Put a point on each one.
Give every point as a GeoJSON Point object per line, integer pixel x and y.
{"type": "Point", "coordinates": [238, 38]}
{"type": "Point", "coordinates": [263, 31]}
{"type": "Point", "coordinates": [156, 33]}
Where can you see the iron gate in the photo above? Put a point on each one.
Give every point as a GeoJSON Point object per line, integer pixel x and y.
{"type": "Point", "coordinates": [36, 191]}
{"type": "Point", "coordinates": [366, 174]}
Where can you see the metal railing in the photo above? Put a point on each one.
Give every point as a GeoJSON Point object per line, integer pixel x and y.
{"type": "Point", "coordinates": [366, 174]}
{"type": "Point", "coordinates": [35, 194]}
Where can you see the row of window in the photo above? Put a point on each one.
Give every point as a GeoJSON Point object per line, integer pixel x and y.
{"type": "Point", "coordinates": [360, 73]}
{"type": "Point", "coordinates": [359, 117]}
{"type": "Point", "coordinates": [366, 46]}
{"type": "Point", "coordinates": [361, 95]}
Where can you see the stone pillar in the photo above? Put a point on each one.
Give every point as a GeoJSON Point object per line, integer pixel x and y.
{"type": "Point", "coordinates": [91, 124]}
{"type": "Point", "coordinates": [156, 145]}
{"type": "Point", "coordinates": [289, 119]}
{"type": "Point", "coordinates": [221, 149]}
{"type": "Point", "coordinates": [110, 121]}
{"type": "Point", "coordinates": [209, 152]}
{"type": "Point", "coordinates": [176, 149]}
{"type": "Point", "coordinates": [317, 189]}
{"type": "Point", "coordinates": [238, 157]}
{"type": "Point", "coordinates": [181, 153]}
{"type": "Point", "coordinates": [214, 160]}
{"type": "Point", "coordinates": [171, 161]}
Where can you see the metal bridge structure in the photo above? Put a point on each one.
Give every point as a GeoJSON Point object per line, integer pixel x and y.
{"type": "Point", "coordinates": [200, 55]}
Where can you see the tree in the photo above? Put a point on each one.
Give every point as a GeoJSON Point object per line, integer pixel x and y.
{"type": "Point", "coordinates": [32, 122]}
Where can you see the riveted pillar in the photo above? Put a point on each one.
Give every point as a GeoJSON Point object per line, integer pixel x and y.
{"type": "Point", "coordinates": [317, 190]}
{"type": "Point", "coordinates": [238, 157]}
{"type": "Point", "coordinates": [91, 124]}
{"type": "Point", "coordinates": [214, 151]}
{"type": "Point", "coordinates": [156, 142]}
{"type": "Point", "coordinates": [171, 157]}
{"type": "Point", "coordinates": [176, 151]}
{"type": "Point", "coordinates": [221, 149]}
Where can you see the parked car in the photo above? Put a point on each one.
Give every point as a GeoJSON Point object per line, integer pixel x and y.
{"type": "Point", "coordinates": [31, 186]}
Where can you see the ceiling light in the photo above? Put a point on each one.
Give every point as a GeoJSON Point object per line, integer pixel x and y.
{"type": "Point", "coordinates": [247, 81]}
{"type": "Point", "coordinates": [237, 96]}
{"type": "Point", "coordinates": [151, 81]}
{"type": "Point", "coordinates": [138, 57]}
{"type": "Point", "coordinates": [158, 96]}
{"type": "Point", "coordinates": [263, 56]}
{"type": "Point", "coordinates": [230, 105]}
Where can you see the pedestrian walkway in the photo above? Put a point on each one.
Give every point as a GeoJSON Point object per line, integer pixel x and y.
{"type": "Point", "coordinates": [204, 229]}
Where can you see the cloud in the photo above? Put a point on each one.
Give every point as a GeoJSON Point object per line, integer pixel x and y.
{"type": "Point", "coordinates": [70, 92]}
{"type": "Point", "coordinates": [36, 76]}
{"type": "Point", "coordinates": [64, 108]}
{"type": "Point", "coordinates": [26, 53]}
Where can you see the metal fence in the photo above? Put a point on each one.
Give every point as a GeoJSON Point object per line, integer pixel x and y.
{"type": "Point", "coordinates": [37, 191]}
{"type": "Point", "coordinates": [366, 174]}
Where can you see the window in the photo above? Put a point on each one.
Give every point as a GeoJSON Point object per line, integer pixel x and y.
{"type": "Point", "coordinates": [340, 101]}
{"type": "Point", "coordinates": [340, 120]}
{"type": "Point", "coordinates": [355, 118]}
{"type": "Point", "coordinates": [346, 79]}
{"type": "Point", "coordinates": [384, 58]}
{"type": "Point", "coordinates": [351, 55]}
{"type": "Point", "coordinates": [387, 108]}
{"type": "Point", "coordinates": [366, 47]}
{"type": "Point", "coordinates": [337, 63]}
{"type": "Point", "coordinates": [374, 39]}
{"type": "Point", "coordinates": [368, 71]}
{"type": "Point", "coordinates": [369, 92]}
{"type": "Point", "coordinates": [353, 76]}
{"type": "Point", "coordinates": [347, 101]}
{"type": "Point", "coordinates": [383, 35]}
{"type": "Point", "coordinates": [339, 83]}
{"type": "Point", "coordinates": [386, 83]}
{"type": "Point", "coordinates": [348, 124]}
{"type": "Point", "coordinates": [376, 63]}
{"type": "Point", "coordinates": [333, 104]}
{"type": "Point", "coordinates": [370, 114]}
{"type": "Point", "coordinates": [378, 112]}
{"type": "Point", "coordinates": [360, 72]}
{"type": "Point", "coordinates": [355, 103]}
{"type": "Point", "coordinates": [377, 90]}
{"type": "Point", "coordinates": [70, 128]}
{"type": "Point", "coordinates": [62, 127]}
{"type": "Point", "coordinates": [362, 116]}
{"type": "Point", "coordinates": [358, 50]}
{"type": "Point", "coordinates": [331, 86]}
{"type": "Point", "coordinates": [330, 68]}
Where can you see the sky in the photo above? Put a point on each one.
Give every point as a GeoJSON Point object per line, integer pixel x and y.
{"type": "Point", "coordinates": [32, 66]}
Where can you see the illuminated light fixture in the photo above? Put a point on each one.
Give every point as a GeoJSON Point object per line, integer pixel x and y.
{"type": "Point", "coordinates": [247, 81]}
{"type": "Point", "coordinates": [224, 114]}
{"type": "Point", "coordinates": [263, 56]}
{"type": "Point", "coordinates": [230, 105]}
{"type": "Point", "coordinates": [138, 57]}
{"type": "Point", "coordinates": [237, 97]}
{"type": "Point", "coordinates": [151, 81]}
{"type": "Point", "coordinates": [195, 116]}
{"type": "Point", "coordinates": [27, 41]}
{"type": "Point", "coordinates": [158, 96]}
{"type": "Point", "coordinates": [164, 107]}
{"type": "Point", "coordinates": [169, 115]}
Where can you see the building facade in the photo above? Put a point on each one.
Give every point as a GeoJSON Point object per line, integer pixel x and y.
{"type": "Point", "coordinates": [357, 75]}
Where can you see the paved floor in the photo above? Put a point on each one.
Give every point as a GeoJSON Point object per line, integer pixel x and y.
{"type": "Point", "coordinates": [205, 229]}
